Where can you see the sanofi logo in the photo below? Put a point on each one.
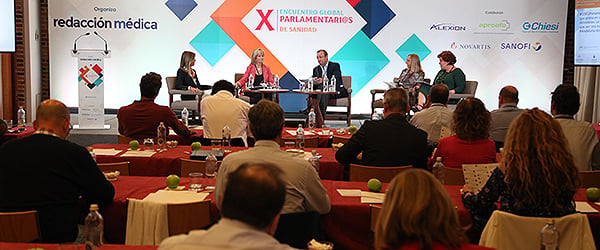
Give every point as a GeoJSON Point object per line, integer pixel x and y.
{"type": "Point", "coordinates": [537, 46]}
{"type": "Point", "coordinates": [540, 27]}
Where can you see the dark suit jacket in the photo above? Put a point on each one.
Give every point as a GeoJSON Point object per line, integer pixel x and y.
{"type": "Point", "coordinates": [49, 174]}
{"type": "Point", "coordinates": [333, 69]}
{"type": "Point", "coordinates": [389, 142]}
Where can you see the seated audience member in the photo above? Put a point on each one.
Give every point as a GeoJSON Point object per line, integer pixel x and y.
{"type": "Point", "coordinates": [581, 136]}
{"type": "Point", "coordinates": [3, 127]}
{"type": "Point", "coordinates": [388, 142]}
{"type": "Point", "coordinates": [253, 198]}
{"type": "Point", "coordinates": [470, 144]}
{"type": "Point", "coordinates": [537, 175]}
{"type": "Point", "coordinates": [47, 173]}
{"type": "Point", "coordinates": [411, 220]}
{"type": "Point", "coordinates": [222, 108]}
{"type": "Point", "coordinates": [140, 119]}
{"type": "Point", "coordinates": [304, 189]}
{"type": "Point", "coordinates": [432, 119]}
{"type": "Point", "coordinates": [502, 117]}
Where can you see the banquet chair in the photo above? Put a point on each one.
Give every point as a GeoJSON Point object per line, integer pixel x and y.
{"type": "Point", "coordinates": [374, 211]}
{"type": "Point", "coordinates": [309, 141]}
{"type": "Point", "coordinates": [191, 166]}
{"type": "Point", "coordinates": [193, 106]}
{"type": "Point", "coordinates": [122, 167]}
{"type": "Point", "coordinates": [589, 178]}
{"type": "Point", "coordinates": [19, 227]}
{"type": "Point", "coordinates": [384, 174]}
{"type": "Point", "coordinates": [454, 176]}
{"type": "Point", "coordinates": [508, 231]}
{"type": "Point", "coordinates": [469, 91]}
{"type": "Point", "coordinates": [345, 103]}
{"type": "Point", "coordinates": [188, 216]}
{"type": "Point", "coordinates": [297, 229]}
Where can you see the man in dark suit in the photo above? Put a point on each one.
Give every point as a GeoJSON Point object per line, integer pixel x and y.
{"type": "Point", "coordinates": [332, 69]}
{"type": "Point", "coordinates": [388, 142]}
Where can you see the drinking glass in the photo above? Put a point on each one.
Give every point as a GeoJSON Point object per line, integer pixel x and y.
{"type": "Point", "coordinates": [149, 144]}
{"type": "Point", "coordinates": [290, 145]}
{"type": "Point", "coordinates": [196, 181]}
{"type": "Point", "coordinates": [325, 130]}
{"type": "Point", "coordinates": [9, 123]}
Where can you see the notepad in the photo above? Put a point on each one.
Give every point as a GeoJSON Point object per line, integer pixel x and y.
{"type": "Point", "coordinates": [107, 151]}
{"type": "Point", "coordinates": [172, 197]}
{"type": "Point", "coordinates": [476, 175]}
{"type": "Point", "coordinates": [585, 208]}
{"type": "Point", "coordinates": [135, 153]}
{"type": "Point", "coordinates": [349, 192]}
{"type": "Point", "coordinates": [371, 198]}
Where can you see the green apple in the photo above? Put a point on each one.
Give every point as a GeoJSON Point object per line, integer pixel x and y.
{"type": "Point", "coordinates": [172, 181]}
{"type": "Point", "coordinates": [196, 146]}
{"type": "Point", "coordinates": [374, 185]}
{"type": "Point", "coordinates": [593, 194]}
{"type": "Point", "coordinates": [352, 129]}
{"type": "Point", "coordinates": [134, 144]}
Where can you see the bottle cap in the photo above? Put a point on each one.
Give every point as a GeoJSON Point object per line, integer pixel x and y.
{"type": "Point", "coordinates": [438, 158]}
{"type": "Point", "coordinates": [94, 207]}
{"type": "Point", "coordinates": [314, 152]}
{"type": "Point", "coordinates": [91, 149]}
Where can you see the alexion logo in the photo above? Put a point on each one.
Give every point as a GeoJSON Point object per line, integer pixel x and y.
{"type": "Point", "coordinates": [540, 27]}
{"type": "Point", "coordinates": [448, 27]}
{"type": "Point", "coordinates": [264, 20]}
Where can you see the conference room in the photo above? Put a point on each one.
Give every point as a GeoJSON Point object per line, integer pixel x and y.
{"type": "Point", "coordinates": [331, 68]}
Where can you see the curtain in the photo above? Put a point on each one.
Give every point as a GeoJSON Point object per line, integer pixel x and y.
{"type": "Point", "coordinates": [587, 81]}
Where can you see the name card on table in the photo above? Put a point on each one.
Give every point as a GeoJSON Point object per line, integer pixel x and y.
{"type": "Point", "coordinates": [585, 208]}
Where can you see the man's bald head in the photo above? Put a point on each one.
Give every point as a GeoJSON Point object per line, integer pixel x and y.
{"type": "Point", "coordinates": [509, 94]}
{"type": "Point", "coordinates": [52, 110]}
{"type": "Point", "coordinates": [53, 115]}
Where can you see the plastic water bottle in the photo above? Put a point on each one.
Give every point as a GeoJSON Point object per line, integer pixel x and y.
{"type": "Point", "coordinates": [21, 116]}
{"type": "Point", "coordinates": [332, 84]}
{"type": "Point", "coordinates": [91, 150]}
{"type": "Point", "coordinates": [250, 82]}
{"type": "Point", "coordinates": [549, 236]}
{"type": "Point", "coordinates": [185, 115]}
{"type": "Point", "coordinates": [438, 169]}
{"type": "Point", "coordinates": [276, 81]}
{"type": "Point", "coordinates": [312, 118]}
{"type": "Point", "coordinates": [314, 160]}
{"type": "Point", "coordinates": [161, 136]}
{"type": "Point", "coordinates": [300, 137]}
{"type": "Point", "coordinates": [94, 229]}
{"type": "Point", "coordinates": [210, 169]}
{"type": "Point", "coordinates": [310, 85]}
{"type": "Point", "coordinates": [325, 83]}
{"type": "Point", "coordinates": [226, 136]}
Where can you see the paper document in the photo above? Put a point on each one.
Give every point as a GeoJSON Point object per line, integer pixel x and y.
{"type": "Point", "coordinates": [135, 153]}
{"type": "Point", "coordinates": [391, 85]}
{"type": "Point", "coordinates": [107, 151]}
{"type": "Point", "coordinates": [585, 208]}
{"type": "Point", "coordinates": [349, 192]}
{"type": "Point", "coordinates": [371, 198]}
{"type": "Point", "coordinates": [293, 132]}
{"type": "Point", "coordinates": [174, 197]}
{"type": "Point", "coordinates": [476, 175]}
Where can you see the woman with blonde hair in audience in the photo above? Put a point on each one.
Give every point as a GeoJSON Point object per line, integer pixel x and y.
{"type": "Point", "coordinates": [417, 213]}
{"type": "Point", "coordinates": [470, 144]}
{"type": "Point", "coordinates": [536, 177]}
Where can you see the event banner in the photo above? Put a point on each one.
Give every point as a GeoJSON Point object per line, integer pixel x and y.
{"type": "Point", "coordinates": [90, 70]}
{"type": "Point", "coordinates": [497, 43]}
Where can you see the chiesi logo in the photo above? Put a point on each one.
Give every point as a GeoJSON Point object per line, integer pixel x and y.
{"type": "Point", "coordinates": [540, 27]}
{"type": "Point", "coordinates": [470, 46]}
{"type": "Point", "coordinates": [301, 20]}
{"type": "Point", "coordinates": [448, 27]}
{"type": "Point", "coordinates": [537, 46]}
